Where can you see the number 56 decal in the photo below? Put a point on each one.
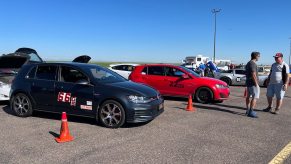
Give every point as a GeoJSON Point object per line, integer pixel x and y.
{"type": "Point", "coordinates": [66, 97]}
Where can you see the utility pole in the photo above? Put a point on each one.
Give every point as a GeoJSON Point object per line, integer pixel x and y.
{"type": "Point", "coordinates": [215, 11]}
{"type": "Point", "coordinates": [290, 52]}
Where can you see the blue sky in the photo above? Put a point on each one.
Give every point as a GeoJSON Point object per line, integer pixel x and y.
{"type": "Point", "coordinates": [146, 30]}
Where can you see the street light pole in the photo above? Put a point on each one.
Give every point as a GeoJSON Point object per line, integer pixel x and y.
{"type": "Point", "coordinates": [214, 11]}
{"type": "Point", "coordinates": [290, 52]}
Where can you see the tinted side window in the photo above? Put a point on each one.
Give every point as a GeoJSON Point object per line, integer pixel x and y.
{"type": "Point", "coordinates": [240, 72]}
{"type": "Point", "coordinates": [46, 72]}
{"type": "Point", "coordinates": [156, 70]}
{"type": "Point", "coordinates": [72, 75]}
{"type": "Point", "coordinates": [228, 71]}
{"type": "Point", "coordinates": [130, 68]}
{"type": "Point", "coordinates": [169, 71]}
{"type": "Point", "coordinates": [119, 67]}
{"type": "Point", "coordinates": [144, 71]}
{"type": "Point", "coordinates": [31, 73]}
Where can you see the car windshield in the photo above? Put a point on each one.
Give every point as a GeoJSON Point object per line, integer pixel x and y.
{"type": "Point", "coordinates": [104, 75]}
{"type": "Point", "coordinates": [34, 57]}
{"type": "Point", "coordinates": [190, 71]}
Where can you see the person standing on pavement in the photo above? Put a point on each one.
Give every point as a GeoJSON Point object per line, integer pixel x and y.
{"type": "Point", "coordinates": [252, 83]}
{"type": "Point", "coordinates": [278, 83]}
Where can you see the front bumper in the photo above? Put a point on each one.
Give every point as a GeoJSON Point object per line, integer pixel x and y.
{"type": "Point", "coordinates": [4, 92]}
{"type": "Point", "coordinates": [145, 112]}
{"type": "Point", "coordinates": [223, 94]}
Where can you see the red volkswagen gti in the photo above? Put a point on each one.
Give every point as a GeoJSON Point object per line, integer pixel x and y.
{"type": "Point", "coordinates": [178, 81]}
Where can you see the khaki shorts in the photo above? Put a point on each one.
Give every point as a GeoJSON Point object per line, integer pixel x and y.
{"type": "Point", "coordinates": [254, 91]}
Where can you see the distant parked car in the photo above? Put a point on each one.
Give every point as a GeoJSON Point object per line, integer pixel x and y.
{"type": "Point", "coordinates": [10, 64]}
{"type": "Point", "coordinates": [123, 69]}
{"type": "Point", "coordinates": [232, 76]}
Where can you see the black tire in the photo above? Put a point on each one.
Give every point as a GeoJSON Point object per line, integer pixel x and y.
{"type": "Point", "coordinates": [226, 80]}
{"type": "Point", "coordinates": [204, 95]}
{"type": "Point", "coordinates": [111, 114]}
{"type": "Point", "coordinates": [21, 105]}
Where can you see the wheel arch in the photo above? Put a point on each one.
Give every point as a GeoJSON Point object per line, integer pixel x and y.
{"type": "Point", "coordinates": [107, 99]}
{"type": "Point", "coordinates": [33, 103]}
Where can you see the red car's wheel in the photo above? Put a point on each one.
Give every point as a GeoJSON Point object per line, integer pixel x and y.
{"type": "Point", "coordinates": [204, 95]}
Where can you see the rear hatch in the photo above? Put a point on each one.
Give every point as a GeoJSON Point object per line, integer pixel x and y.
{"type": "Point", "coordinates": [9, 66]}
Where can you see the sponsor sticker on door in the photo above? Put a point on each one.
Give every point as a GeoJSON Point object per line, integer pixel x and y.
{"type": "Point", "coordinates": [86, 107]}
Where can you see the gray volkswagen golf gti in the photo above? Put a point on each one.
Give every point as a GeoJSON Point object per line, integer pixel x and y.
{"type": "Point", "coordinates": [84, 90]}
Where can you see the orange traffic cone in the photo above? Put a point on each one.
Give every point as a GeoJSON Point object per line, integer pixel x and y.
{"type": "Point", "coordinates": [245, 94]}
{"type": "Point", "coordinates": [64, 132]}
{"type": "Point", "coordinates": [190, 105]}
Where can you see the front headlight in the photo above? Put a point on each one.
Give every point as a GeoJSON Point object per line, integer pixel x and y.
{"type": "Point", "coordinates": [139, 99]}
{"type": "Point", "coordinates": [221, 86]}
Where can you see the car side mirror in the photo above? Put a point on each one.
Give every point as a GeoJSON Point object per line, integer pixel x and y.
{"type": "Point", "coordinates": [83, 82]}
{"type": "Point", "coordinates": [185, 76]}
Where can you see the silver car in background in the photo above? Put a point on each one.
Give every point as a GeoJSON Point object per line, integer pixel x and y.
{"type": "Point", "coordinates": [232, 76]}
{"type": "Point", "coordinates": [238, 77]}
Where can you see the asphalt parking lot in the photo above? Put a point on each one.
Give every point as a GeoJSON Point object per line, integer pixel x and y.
{"type": "Point", "coordinates": [215, 133]}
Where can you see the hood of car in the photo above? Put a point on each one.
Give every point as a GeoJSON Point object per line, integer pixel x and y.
{"type": "Point", "coordinates": [136, 88]}
{"type": "Point", "coordinates": [209, 80]}
{"type": "Point", "coordinates": [12, 61]}
{"type": "Point", "coordinates": [82, 59]}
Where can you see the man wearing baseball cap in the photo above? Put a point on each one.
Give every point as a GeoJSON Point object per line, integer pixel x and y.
{"type": "Point", "coordinates": [278, 82]}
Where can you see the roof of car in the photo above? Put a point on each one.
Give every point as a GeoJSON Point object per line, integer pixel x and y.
{"type": "Point", "coordinates": [117, 64]}
{"type": "Point", "coordinates": [69, 63]}
{"type": "Point", "coordinates": [159, 64]}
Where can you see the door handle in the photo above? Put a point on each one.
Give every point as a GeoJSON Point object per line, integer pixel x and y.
{"type": "Point", "coordinates": [167, 80]}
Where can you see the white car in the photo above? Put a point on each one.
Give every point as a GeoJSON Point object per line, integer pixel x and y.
{"type": "Point", "coordinates": [123, 69]}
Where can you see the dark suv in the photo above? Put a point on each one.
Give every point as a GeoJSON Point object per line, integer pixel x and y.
{"type": "Point", "coordinates": [84, 90]}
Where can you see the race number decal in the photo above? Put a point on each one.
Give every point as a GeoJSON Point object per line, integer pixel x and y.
{"type": "Point", "coordinates": [73, 101]}
{"type": "Point", "coordinates": [64, 97]}
{"type": "Point", "coordinates": [238, 79]}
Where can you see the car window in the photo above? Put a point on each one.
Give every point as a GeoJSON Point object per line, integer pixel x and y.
{"type": "Point", "coordinates": [240, 72]}
{"type": "Point", "coordinates": [174, 72]}
{"type": "Point", "coordinates": [31, 73]}
{"type": "Point", "coordinates": [130, 68]}
{"type": "Point", "coordinates": [119, 67]}
{"type": "Point", "coordinates": [155, 70]}
{"type": "Point", "coordinates": [46, 72]}
{"type": "Point", "coordinates": [34, 57]}
{"type": "Point", "coordinates": [72, 75]}
{"type": "Point", "coordinates": [103, 75]}
{"type": "Point", "coordinates": [226, 71]}
{"type": "Point", "coordinates": [189, 71]}
{"type": "Point", "coordinates": [144, 71]}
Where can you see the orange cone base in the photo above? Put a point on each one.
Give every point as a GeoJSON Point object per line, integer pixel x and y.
{"type": "Point", "coordinates": [190, 109]}
{"type": "Point", "coordinates": [62, 140]}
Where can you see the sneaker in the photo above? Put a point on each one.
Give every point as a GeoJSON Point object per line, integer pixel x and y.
{"type": "Point", "coordinates": [275, 112]}
{"type": "Point", "coordinates": [268, 109]}
{"type": "Point", "coordinates": [252, 114]}
{"type": "Point", "coordinates": [247, 112]}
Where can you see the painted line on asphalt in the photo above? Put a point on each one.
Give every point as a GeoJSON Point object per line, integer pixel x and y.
{"type": "Point", "coordinates": [282, 156]}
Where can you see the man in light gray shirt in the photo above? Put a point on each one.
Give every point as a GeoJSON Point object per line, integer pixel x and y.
{"type": "Point", "coordinates": [278, 83]}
